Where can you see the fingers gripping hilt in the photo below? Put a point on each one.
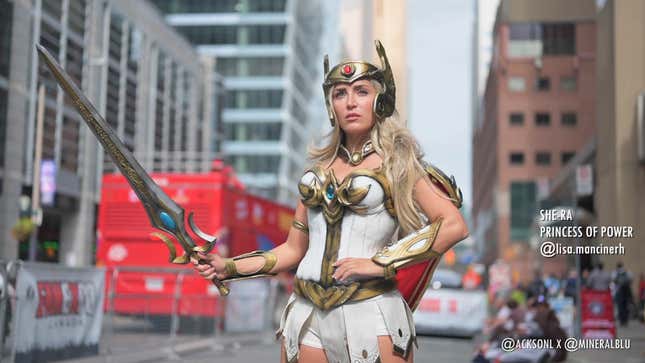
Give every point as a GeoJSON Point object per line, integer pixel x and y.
{"type": "Point", "coordinates": [206, 248]}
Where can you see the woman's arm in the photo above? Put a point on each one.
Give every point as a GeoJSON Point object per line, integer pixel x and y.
{"type": "Point", "coordinates": [288, 254]}
{"type": "Point", "coordinates": [435, 204]}
{"type": "Point", "coordinates": [437, 207]}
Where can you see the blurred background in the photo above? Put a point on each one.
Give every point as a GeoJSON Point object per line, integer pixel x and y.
{"type": "Point", "coordinates": [531, 105]}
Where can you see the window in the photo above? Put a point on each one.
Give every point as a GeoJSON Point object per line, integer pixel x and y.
{"type": "Point", "coordinates": [542, 84]}
{"type": "Point", "coordinates": [525, 40]}
{"type": "Point", "coordinates": [565, 156]}
{"type": "Point", "coordinates": [537, 39]}
{"type": "Point", "coordinates": [543, 158]}
{"type": "Point", "coordinates": [516, 84]}
{"type": "Point", "coordinates": [230, 34]}
{"type": "Point", "coordinates": [245, 99]}
{"type": "Point", "coordinates": [542, 119]}
{"type": "Point", "coordinates": [240, 67]}
{"type": "Point", "coordinates": [516, 119]}
{"type": "Point", "coordinates": [254, 131]}
{"type": "Point", "coordinates": [255, 163]}
{"type": "Point", "coordinates": [569, 119]}
{"type": "Point", "coordinates": [516, 158]}
{"type": "Point", "coordinates": [523, 208]}
{"type": "Point", "coordinates": [568, 83]}
{"type": "Point", "coordinates": [3, 123]}
{"type": "Point", "coordinates": [6, 12]}
{"type": "Point", "coordinates": [220, 6]}
{"type": "Point", "coordinates": [559, 39]}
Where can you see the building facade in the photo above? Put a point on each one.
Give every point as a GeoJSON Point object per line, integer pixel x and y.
{"type": "Point", "coordinates": [364, 21]}
{"type": "Point", "coordinates": [138, 72]}
{"type": "Point", "coordinates": [268, 52]}
{"type": "Point", "coordinates": [619, 194]}
{"type": "Point", "coordinates": [538, 111]}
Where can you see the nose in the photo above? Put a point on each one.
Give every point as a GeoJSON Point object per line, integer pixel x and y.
{"type": "Point", "coordinates": [351, 100]}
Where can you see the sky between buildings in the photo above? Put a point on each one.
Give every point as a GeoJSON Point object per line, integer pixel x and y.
{"type": "Point", "coordinates": [439, 76]}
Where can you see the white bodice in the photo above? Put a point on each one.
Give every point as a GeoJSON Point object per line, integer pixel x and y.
{"type": "Point", "coordinates": [367, 224]}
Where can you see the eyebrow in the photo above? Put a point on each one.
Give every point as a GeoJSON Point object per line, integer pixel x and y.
{"type": "Point", "coordinates": [356, 86]}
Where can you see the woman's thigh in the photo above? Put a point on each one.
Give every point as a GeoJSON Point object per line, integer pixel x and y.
{"type": "Point", "coordinates": [311, 354]}
{"type": "Point", "coordinates": [307, 354]}
{"type": "Point", "coordinates": [387, 354]}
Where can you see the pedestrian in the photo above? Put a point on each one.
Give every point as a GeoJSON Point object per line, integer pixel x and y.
{"type": "Point", "coordinates": [368, 181]}
{"type": "Point", "coordinates": [570, 286]}
{"type": "Point", "coordinates": [623, 297]}
{"type": "Point", "coordinates": [599, 279]}
{"type": "Point", "coordinates": [536, 288]}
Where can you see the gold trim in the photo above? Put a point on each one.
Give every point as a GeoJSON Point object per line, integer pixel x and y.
{"type": "Point", "coordinates": [334, 198]}
{"type": "Point", "coordinates": [384, 103]}
{"type": "Point", "coordinates": [357, 157]}
{"type": "Point", "coordinates": [415, 247]}
{"type": "Point", "coordinates": [432, 266]}
{"type": "Point", "coordinates": [301, 226]}
{"type": "Point", "coordinates": [332, 245]}
{"type": "Point", "coordinates": [330, 297]}
{"type": "Point", "coordinates": [313, 195]}
{"type": "Point", "coordinates": [270, 260]}
{"type": "Point", "coordinates": [389, 272]}
{"type": "Point", "coordinates": [448, 184]}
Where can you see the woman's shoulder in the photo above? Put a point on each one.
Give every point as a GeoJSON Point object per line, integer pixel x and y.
{"type": "Point", "coordinates": [440, 179]}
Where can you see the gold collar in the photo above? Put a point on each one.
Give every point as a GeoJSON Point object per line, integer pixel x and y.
{"type": "Point", "coordinates": [356, 157]}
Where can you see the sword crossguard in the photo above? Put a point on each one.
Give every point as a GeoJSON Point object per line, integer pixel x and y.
{"type": "Point", "coordinates": [206, 248]}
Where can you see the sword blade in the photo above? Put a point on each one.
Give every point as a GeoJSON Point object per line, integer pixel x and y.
{"type": "Point", "coordinates": [163, 212]}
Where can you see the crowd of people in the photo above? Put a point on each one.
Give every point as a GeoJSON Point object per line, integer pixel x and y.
{"type": "Point", "coordinates": [525, 312]}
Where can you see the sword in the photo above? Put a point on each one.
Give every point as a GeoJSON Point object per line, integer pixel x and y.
{"type": "Point", "coordinates": [163, 212]}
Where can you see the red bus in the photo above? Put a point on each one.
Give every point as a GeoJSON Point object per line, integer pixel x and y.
{"type": "Point", "coordinates": [139, 278]}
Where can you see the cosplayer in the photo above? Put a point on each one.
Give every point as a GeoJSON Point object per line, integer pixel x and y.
{"type": "Point", "coordinates": [371, 225]}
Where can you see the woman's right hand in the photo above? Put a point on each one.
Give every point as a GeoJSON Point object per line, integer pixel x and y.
{"type": "Point", "coordinates": [209, 266]}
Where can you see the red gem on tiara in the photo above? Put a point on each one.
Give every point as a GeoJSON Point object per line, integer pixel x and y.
{"type": "Point", "coordinates": [348, 70]}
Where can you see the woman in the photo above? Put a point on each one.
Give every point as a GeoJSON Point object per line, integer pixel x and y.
{"type": "Point", "coordinates": [365, 184]}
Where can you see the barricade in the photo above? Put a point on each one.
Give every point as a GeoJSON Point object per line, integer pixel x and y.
{"type": "Point", "coordinates": [8, 271]}
{"type": "Point", "coordinates": [133, 322]}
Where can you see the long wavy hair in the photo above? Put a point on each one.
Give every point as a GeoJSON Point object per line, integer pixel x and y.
{"type": "Point", "coordinates": [401, 156]}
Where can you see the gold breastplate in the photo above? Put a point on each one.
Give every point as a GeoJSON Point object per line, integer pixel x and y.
{"type": "Point", "coordinates": [333, 197]}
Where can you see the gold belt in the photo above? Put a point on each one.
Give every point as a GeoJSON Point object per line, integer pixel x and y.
{"type": "Point", "coordinates": [330, 297]}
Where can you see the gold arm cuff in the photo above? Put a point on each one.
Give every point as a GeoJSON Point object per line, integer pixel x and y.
{"type": "Point", "coordinates": [301, 226]}
{"type": "Point", "coordinates": [389, 272]}
{"type": "Point", "coordinates": [232, 274]}
{"type": "Point", "coordinates": [413, 248]}
{"type": "Point", "coordinates": [336, 295]}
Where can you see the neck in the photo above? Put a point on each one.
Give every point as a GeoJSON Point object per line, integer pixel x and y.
{"type": "Point", "coordinates": [355, 142]}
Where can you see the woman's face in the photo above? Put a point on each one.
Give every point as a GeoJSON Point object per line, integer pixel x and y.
{"type": "Point", "coordinates": [352, 104]}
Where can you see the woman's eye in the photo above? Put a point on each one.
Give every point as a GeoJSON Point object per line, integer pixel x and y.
{"type": "Point", "coordinates": [362, 92]}
{"type": "Point", "coordinates": [339, 94]}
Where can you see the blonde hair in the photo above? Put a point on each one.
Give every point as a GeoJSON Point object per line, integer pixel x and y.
{"type": "Point", "coordinates": [401, 156]}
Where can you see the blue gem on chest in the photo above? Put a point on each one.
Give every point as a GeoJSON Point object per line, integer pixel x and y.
{"type": "Point", "coordinates": [330, 192]}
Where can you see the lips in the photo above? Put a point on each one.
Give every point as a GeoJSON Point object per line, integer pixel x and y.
{"type": "Point", "coordinates": [352, 116]}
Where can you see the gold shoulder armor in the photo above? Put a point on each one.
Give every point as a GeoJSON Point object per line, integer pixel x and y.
{"type": "Point", "coordinates": [448, 185]}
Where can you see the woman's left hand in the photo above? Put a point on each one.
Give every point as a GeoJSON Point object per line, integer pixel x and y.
{"type": "Point", "coordinates": [356, 267]}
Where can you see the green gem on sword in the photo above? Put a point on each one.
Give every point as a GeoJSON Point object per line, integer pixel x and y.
{"type": "Point", "coordinates": [163, 212]}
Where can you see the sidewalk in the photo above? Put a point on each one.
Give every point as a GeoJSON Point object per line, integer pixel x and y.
{"type": "Point", "coordinates": [161, 353]}
{"type": "Point", "coordinates": [635, 332]}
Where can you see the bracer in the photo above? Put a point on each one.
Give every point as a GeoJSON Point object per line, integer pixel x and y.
{"type": "Point", "coordinates": [411, 249]}
{"type": "Point", "coordinates": [232, 274]}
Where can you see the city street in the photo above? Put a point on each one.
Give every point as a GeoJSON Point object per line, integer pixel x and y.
{"type": "Point", "coordinates": [431, 349]}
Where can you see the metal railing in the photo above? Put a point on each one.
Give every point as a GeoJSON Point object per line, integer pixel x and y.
{"type": "Point", "coordinates": [192, 317]}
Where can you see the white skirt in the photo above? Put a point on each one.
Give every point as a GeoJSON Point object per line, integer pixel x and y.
{"type": "Point", "coordinates": [348, 333]}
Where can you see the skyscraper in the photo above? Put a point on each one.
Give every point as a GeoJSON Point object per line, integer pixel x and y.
{"type": "Point", "coordinates": [268, 53]}
{"type": "Point", "coordinates": [138, 72]}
